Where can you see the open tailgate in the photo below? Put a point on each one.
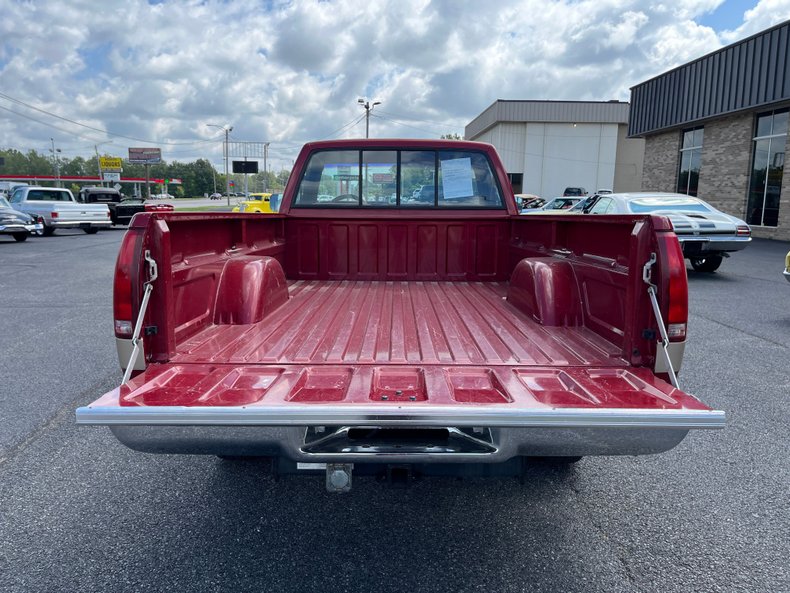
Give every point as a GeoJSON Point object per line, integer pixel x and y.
{"type": "Point", "coordinates": [361, 395]}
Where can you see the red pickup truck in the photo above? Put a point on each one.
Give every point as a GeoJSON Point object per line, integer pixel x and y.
{"type": "Point", "coordinates": [399, 316]}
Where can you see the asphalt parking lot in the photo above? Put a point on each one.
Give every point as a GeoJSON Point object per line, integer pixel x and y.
{"type": "Point", "coordinates": [79, 512]}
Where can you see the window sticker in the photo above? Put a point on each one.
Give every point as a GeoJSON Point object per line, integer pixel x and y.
{"type": "Point", "coordinates": [457, 178]}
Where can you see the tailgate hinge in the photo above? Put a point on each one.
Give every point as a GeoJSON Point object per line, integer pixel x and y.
{"type": "Point", "coordinates": [153, 274]}
{"type": "Point", "coordinates": [647, 271]}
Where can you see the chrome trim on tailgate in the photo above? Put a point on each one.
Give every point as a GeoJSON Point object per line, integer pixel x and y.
{"type": "Point", "coordinates": [293, 415]}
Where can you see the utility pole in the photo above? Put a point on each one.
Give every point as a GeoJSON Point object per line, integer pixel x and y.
{"type": "Point", "coordinates": [55, 160]}
{"type": "Point", "coordinates": [227, 130]}
{"type": "Point", "coordinates": [98, 162]}
{"type": "Point", "coordinates": [368, 108]}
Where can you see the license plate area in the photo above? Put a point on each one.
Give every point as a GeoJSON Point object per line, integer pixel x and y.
{"type": "Point", "coordinates": [383, 440]}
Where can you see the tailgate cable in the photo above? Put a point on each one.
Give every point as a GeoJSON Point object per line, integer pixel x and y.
{"type": "Point", "coordinates": [652, 291]}
{"type": "Point", "coordinates": [153, 273]}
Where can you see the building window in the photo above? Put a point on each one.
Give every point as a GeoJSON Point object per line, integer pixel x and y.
{"type": "Point", "coordinates": [768, 163]}
{"type": "Point", "coordinates": [516, 181]}
{"type": "Point", "coordinates": [690, 161]}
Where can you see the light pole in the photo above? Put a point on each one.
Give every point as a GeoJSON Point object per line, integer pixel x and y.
{"type": "Point", "coordinates": [227, 130]}
{"type": "Point", "coordinates": [265, 157]}
{"type": "Point", "coordinates": [55, 160]}
{"type": "Point", "coordinates": [368, 108]}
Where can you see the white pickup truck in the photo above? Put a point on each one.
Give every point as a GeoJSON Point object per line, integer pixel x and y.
{"type": "Point", "coordinates": [58, 209]}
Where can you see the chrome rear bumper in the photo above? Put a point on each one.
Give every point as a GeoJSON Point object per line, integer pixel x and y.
{"type": "Point", "coordinates": [700, 244]}
{"type": "Point", "coordinates": [278, 432]}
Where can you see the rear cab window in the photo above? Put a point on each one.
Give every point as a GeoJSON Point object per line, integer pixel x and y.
{"type": "Point", "coordinates": [48, 195]}
{"type": "Point", "coordinates": [386, 178]}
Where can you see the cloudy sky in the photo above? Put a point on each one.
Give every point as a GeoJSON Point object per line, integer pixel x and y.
{"type": "Point", "coordinates": [155, 73]}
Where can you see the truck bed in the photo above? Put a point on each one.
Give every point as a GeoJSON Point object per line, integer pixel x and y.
{"type": "Point", "coordinates": [413, 323]}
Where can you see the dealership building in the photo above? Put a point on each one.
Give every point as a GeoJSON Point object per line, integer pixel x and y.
{"type": "Point", "coordinates": [717, 128]}
{"type": "Point", "coordinates": [547, 146]}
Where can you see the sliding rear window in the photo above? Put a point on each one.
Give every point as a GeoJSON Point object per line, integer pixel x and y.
{"type": "Point", "coordinates": [416, 179]}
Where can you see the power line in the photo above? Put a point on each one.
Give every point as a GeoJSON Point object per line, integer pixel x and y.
{"type": "Point", "coordinates": [400, 123]}
{"type": "Point", "coordinates": [71, 121]}
{"type": "Point", "coordinates": [444, 126]}
{"type": "Point", "coordinates": [48, 124]}
{"type": "Point", "coordinates": [351, 124]}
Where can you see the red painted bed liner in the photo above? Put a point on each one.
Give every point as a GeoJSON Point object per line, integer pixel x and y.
{"type": "Point", "coordinates": [424, 323]}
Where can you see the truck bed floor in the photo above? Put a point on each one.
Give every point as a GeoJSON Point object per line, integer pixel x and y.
{"type": "Point", "coordinates": [444, 323]}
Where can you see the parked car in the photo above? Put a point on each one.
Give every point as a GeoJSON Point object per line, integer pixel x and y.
{"type": "Point", "coordinates": [529, 201]}
{"type": "Point", "coordinates": [154, 207]}
{"type": "Point", "coordinates": [257, 202]}
{"type": "Point", "coordinates": [787, 267]}
{"type": "Point", "coordinates": [164, 196]}
{"type": "Point", "coordinates": [555, 206]}
{"type": "Point", "coordinates": [122, 209]}
{"type": "Point", "coordinates": [574, 191]}
{"type": "Point", "coordinates": [706, 234]}
{"type": "Point", "coordinates": [17, 224]}
{"type": "Point", "coordinates": [215, 196]}
{"type": "Point", "coordinates": [59, 209]}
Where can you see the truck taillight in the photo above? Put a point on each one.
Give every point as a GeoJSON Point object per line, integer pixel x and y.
{"type": "Point", "coordinates": [678, 310]}
{"type": "Point", "coordinates": [122, 284]}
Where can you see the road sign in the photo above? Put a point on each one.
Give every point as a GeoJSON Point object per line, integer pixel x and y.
{"type": "Point", "coordinates": [111, 176]}
{"type": "Point", "coordinates": [117, 186]}
{"type": "Point", "coordinates": [145, 156]}
{"type": "Point", "coordinates": [110, 163]}
{"type": "Point", "coordinates": [245, 166]}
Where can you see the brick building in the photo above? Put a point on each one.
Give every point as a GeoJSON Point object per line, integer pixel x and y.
{"type": "Point", "coordinates": [717, 127]}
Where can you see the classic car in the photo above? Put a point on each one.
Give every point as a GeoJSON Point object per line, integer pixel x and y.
{"type": "Point", "coordinates": [17, 224]}
{"type": "Point", "coordinates": [556, 205]}
{"type": "Point", "coordinates": [257, 202]}
{"type": "Point", "coordinates": [529, 201]}
{"type": "Point", "coordinates": [706, 234]}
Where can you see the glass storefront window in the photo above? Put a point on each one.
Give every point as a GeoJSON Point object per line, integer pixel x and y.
{"type": "Point", "coordinates": [690, 161]}
{"type": "Point", "coordinates": [768, 160]}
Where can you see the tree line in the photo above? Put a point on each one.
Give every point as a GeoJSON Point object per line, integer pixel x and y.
{"type": "Point", "coordinates": [198, 177]}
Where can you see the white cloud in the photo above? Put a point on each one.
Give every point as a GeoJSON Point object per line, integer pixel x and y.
{"type": "Point", "coordinates": [766, 14]}
{"type": "Point", "coordinates": [289, 72]}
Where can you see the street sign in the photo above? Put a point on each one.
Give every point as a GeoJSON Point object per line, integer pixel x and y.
{"type": "Point", "coordinates": [145, 156]}
{"type": "Point", "coordinates": [245, 166]}
{"type": "Point", "coordinates": [111, 176]}
{"type": "Point", "coordinates": [117, 187]}
{"type": "Point", "coordinates": [110, 163]}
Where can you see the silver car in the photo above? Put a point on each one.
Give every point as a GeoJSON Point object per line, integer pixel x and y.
{"type": "Point", "coordinates": [707, 235]}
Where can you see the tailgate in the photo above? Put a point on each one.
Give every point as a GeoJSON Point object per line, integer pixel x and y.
{"type": "Point", "coordinates": [394, 395]}
{"type": "Point", "coordinates": [83, 213]}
